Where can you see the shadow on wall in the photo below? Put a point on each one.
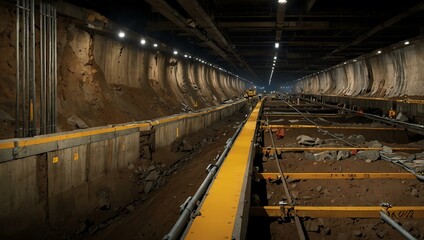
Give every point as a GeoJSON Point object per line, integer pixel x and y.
{"type": "Point", "coordinates": [104, 81]}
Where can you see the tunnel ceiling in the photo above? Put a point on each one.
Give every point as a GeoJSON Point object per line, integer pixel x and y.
{"type": "Point", "coordinates": [240, 34]}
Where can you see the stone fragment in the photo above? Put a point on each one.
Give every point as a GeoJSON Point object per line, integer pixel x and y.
{"type": "Point", "coordinates": [130, 208]}
{"type": "Point", "coordinates": [151, 168]}
{"type": "Point", "coordinates": [269, 195]}
{"type": "Point", "coordinates": [5, 116]}
{"type": "Point", "coordinates": [387, 149]}
{"type": "Point", "coordinates": [77, 122]}
{"type": "Point", "coordinates": [305, 140]}
{"type": "Point", "coordinates": [130, 166]}
{"type": "Point", "coordinates": [146, 152]}
{"type": "Point", "coordinates": [104, 203]}
{"type": "Point", "coordinates": [342, 154]}
{"type": "Point", "coordinates": [319, 188]}
{"type": "Point", "coordinates": [358, 139]}
{"type": "Point", "coordinates": [414, 192]}
{"type": "Point", "coordinates": [368, 161]}
{"type": "Point", "coordinates": [373, 144]}
{"type": "Point", "coordinates": [312, 225]}
{"type": "Point", "coordinates": [326, 155]}
{"type": "Point", "coordinates": [357, 233]}
{"type": "Point", "coordinates": [309, 156]}
{"type": "Point", "coordinates": [153, 176]}
{"type": "Point", "coordinates": [401, 117]}
{"type": "Point", "coordinates": [186, 147]}
{"type": "Point", "coordinates": [369, 154]}
{"type": "Point", "coordinates": [419, 155]}
{"type": "Point", "coordinates": [148, 186]}
{"type": "Point", "coordinates": [410, 158]}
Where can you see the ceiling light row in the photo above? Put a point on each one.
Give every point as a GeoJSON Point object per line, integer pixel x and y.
{"type": "Point", "coordinates": [143, 41]}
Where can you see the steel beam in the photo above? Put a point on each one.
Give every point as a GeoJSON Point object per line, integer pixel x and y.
{"type": "Point", "coordinates": [333, 127]}
{"type": "Point", "coordinates": [269, 150]}
{"type": "Point", "coordinates": [340, 175]}
{"type": "Point", "coordinates": [338, 211]}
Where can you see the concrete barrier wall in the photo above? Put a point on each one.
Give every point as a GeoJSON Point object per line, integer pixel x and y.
{"type": "Point", "coordinates": [414, 111]}
{"type": "Point", "coordinates": [392, 73]}
{"type": "Point", "coordinates": [64, 176]}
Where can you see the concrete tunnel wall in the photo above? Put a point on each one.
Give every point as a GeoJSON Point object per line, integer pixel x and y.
{"type": "Point", "coordinates": [69, 177]}
{"type": "Point", "coordinates": [393, 73]}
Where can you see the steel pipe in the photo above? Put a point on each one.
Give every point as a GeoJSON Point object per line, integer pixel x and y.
{"type": "Point", "coordinates": [192, 203]}
{"type": "Point", "coordinates": [33, 96]}
{"type": "Point", "coordinates": [396, 226]}
{"type": "Point", "coordinates": [18, 87]}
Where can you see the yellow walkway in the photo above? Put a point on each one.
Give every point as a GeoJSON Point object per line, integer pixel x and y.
{"type": "Point", "coordinates": [219, 209]}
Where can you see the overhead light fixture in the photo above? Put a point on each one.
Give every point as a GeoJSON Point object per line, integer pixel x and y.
{"type": "Point", "coordinates": [121, 34]}
{"type": "Point", "coordinates": [277, 45]}
{"type": "Point", "coordinates": [273, 64]}
{"type": "Point", "coordinates": [354, 60]}
{"type": "Point", "coordinates": [185, 55]}
{"type": "Point", "coordinates": [275, 57]}
{"type": "Point", "coordinates": [282, 1]}
{"type": "Point", "coordinates": [175, 52]}
{"type": "Point", "coordinates": [143, 41]}
{"type": "Point", "coordinates": [406, 42]}
{"type": "Point", "coordinates": [155, 45]}
{"type": "Point", "coordinates": [379, 51]}
{"type": "Point", "coordinates": [344, 63]}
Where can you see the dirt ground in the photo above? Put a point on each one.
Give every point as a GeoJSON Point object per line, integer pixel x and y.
{"type": "Point", "coordinates": [341, 192]}
{"type": "Point", "coordinates": [155, 213]}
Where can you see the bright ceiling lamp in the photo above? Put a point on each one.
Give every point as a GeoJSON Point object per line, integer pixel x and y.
{"type": "Point", "coordinates": [121, 34]}
{"type": "Point", "coordinates": [406, 42]}
{"type": "Point", "coordinates": [275, 57]}
{"type": "Point", "coordinates": [155, 45]}
{"type": "Point", "coordinates": [175, 52]}
{"type": "Point", "coordinates": [277, 45]}
{"type": "Point", "coordinates": [379, 51]}
{"type": "Point", "coordinates": [143, 41]}
{"type": "Point", "coordinates": [282, 1]}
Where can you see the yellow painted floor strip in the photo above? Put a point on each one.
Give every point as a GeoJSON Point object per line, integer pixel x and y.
{"type": "Point", "coordinates": [340, 175]}
{"type": "Point", "coordinates": [218, 212]}
{"type": "Point", "coordinates": [339, 211]}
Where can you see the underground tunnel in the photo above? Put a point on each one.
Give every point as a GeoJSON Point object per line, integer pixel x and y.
{"type": "Point", "coordinates": [235, 119]}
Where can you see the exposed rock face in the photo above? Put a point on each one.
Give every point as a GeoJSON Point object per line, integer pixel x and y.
{"type": "Point", "coordinates": [108, 81]}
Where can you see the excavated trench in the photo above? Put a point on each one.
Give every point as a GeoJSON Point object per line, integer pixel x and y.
{"type": "Point", "coordinates": [351, 191]}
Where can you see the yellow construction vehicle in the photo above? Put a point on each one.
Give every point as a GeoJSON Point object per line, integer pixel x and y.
{"type": "Point", "coordinates": [250, 93]}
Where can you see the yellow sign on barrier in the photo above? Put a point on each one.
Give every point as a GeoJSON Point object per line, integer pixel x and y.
{"type": "Point", "coordinates": [75, 156]}
{"type": "Point", "coordinates": [55, 159]}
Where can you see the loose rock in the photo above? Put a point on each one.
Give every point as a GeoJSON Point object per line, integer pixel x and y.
{"type": "Point", "coordinates": [373, 144]}
{"type": "Point", "coordinates": [369, 154]}
{"type": "Point", "coordinates": [77, 122]}
{"type": "Point", "coordinates": [357, 233]}
{"type": "Point", "coordinates": [387, 149]}
{"type": "Point", "coordinates": [148, 186]}
{"type": "Point", "coordinates": [342, 154]}
{"type": "Point", "coordinates": [153, 176]}
{"type": "Point", "coordinates": [359, 139]}
{"type": "Point", "coordinates": [414, 192]}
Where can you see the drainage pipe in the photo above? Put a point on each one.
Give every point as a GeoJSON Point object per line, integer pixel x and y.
{"type": "Point", "coordinates": [192, 203]}
{"type": "Point", "coordinates": [396, 226]}
{"type": "Point", "coordinates": [18, 87]}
